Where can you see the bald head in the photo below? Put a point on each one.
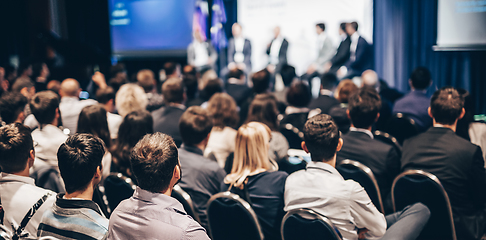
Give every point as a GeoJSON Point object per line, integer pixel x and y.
{"type": "Point", "coordinates": [69, 88]}
{"type": "Point", "coordinates": [369, 78]}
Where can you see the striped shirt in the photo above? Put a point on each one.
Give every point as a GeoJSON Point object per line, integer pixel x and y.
{"type": "Point", "coordinates": [73, 219]}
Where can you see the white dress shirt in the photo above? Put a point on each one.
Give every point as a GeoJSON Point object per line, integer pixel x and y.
{"type": "Point", "coordinates": [275, 50]}
{"type": "Point", "coordinates": [47, 141]}
{"type": "Point", "coordinates": [114, 122]}
{"type": "Point", "coordinates": [70, 108]}
{"type": "Point", "coordinates": [201, 54]}
{"type": "Point", "coordinates": [321, 188]}
{"type": "Point", "coordinates": [18, 194]}
{"type": "Point", "coordinates": [239, 57]}
{"type": "Point", "coordinates": [354, 45]}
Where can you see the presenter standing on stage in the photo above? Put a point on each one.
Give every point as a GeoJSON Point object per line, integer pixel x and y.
{"type": "Point", "coordinates": [277, 52]}
{"type": "Point", "coordinates": [239, 51]}
{"type": "Point", "coordinates": [200, 53]}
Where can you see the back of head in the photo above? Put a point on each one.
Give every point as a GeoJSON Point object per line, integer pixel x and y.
{"type": "Point", "coordinates": [191, 84]}
{"type": "Point", "coordinates": [364, 107]}
{"type": "Point", "coordinates": [173, 90]}
{"type": "Point", "coordinates": [21, 83]}
{"type": "Point", "coordinates": [264, 109]}
{"type": "Point", "coordinates": [153, 161]}
{"type": "Point", "coordinates": [251, 152]}
{"type": "Point", "coordinates": [222, 108]}
{"type": "Point", "coordinates": [15, 145]}
{"type": "Point", "coordinates": [236, 73]}
{"type": "Point", "coordinates": [211, 87]}
{"type": "Point", "coordinates": [369, 78]}
{"type": "Point", "coordinates": [43, 105]}
{"type": "Point", "coordinates": [195, 125]}
{"type": "Point", "coordinates": [321, 136]}
{"type": "Point", "coordinates": [261, 81]}
{"type": "Point", "coordinates": [421, 78]}
{"type": "Point", "coordinates": [446, 105]}
{"type": "Point", "coordinates": [11, 105]}
{"type": "Point", "coordinates": [129, 98]}
{"type": "Point", "coordinates": [344, 90]}
{"type": "Point", "coordinates": [170, 68]}
{"type": "Point", "coordinates": [116, 69]}
{"type": "Point", "coordinates": [78, 159]}
{"type": "Point", "coordinates": [69, 88]}
{"type": "Point", "coordinates": [104, 95]}
{"type": "Point", "coordinates": [288, 74]}
{"type": "Point", "coordinates": [328, 80]}
{"type": "Point", "coordinates": [146, 79]}
{"type": "Point", "coordinates": [135, 125]}
{"type": "Point", "coordinates": [298, 95]}
{"type": "Point", "coordinates": [92, 120]}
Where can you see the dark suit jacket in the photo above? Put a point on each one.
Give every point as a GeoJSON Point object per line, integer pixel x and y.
{"type": "Point", "coordinates": [364, 57]}
{"type": "Point", "coordinates": [459, 165]}
{"type": "Point", "coordinates": [282, 54]}
{"type": "Point", "coordinates": [415, 105]}
{"type": "Point", "coordinates": [380, 157]}
{"type": "Point", "coordinates": [202, 178]}
{"type": "Point", "coordinates": [239, 92]}
{"type": "Point", "coordinates": [324, 102]}
{"type": "Point", "coordinates": [342, 55]}
{"type": "Point", "coordinates": [166, 120]}
{"type": "Point", "coordinates": [246, 52]}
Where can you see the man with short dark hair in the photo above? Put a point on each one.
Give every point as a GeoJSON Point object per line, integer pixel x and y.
{"type": "Point", "coordinates": [18, 192]}
{"type": "Point", "coordinates": [457, 163]}
{"type": "Point", "coordinates": [166, 119]}
{"type": "Point", "coordinates": [151, 213]}
{"type": "Point", "coordinates": [70, 106]}
{"type": "Point", "coordinates": [236, 86]}
{"type": "Point", "coordinates": [345, 203]}
{"type": "Point", "coordinates": [416, 102]}
{"type": "Point", "coordinates": [106, 97]}
{"type": "Point", "coordinates": [75, 215]}
{"type": "Point", "coordinates": [360, 145]}
{"type": "Point", "coordinates": [203, 177]}
{"type": "Point", "coordinates": [361, 56]}
{"type": "Point", "coordinates": [12, 107]}
{"type": "Point", "coordinates": [146, 80]}
{"type": "Point", "coordinates": [326, 99]}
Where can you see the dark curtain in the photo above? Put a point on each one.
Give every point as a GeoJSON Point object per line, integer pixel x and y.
{"type": "Point", "coordinates": [404, 33]}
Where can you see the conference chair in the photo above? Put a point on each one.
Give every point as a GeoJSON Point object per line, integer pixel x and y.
{"type": "Point", "coordinates": [293, 135]}
{"type": "Point", "coordinates": [387, 138]}
{"type": "Point", "coordinates": [186, 201]}
{"type": "Point", "coordinates": [362, 174]}
{"type": "Point", "coordinates": [401, 127]}
{"type": "Point", "coordinates": [118, 188]}
{"type": "Point", "coordinates": [307, 224]}
{"type": "Point", "coordinates": [231, 217]}
{"type": "Point", "coordinates": [415, 186]}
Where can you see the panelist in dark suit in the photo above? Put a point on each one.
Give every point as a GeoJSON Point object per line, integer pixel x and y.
{"type": "Point", "coordinates": [360, 145]}
{"type": "Point", "coordinates": [239, 51]}
{"type": "Point", "coordinates": [457, 163]}
{"type": "Point", "coordinates": [277, 52]}
{"type": "Point", "coordinates": [166, 119]}
{"type": "Point", "coordinates": [361, 56]}
{"type": "Point", "coordinates": [342, 53]}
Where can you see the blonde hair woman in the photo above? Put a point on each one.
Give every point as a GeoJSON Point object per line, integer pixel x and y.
{"type": "Point", "coordinates": [131, 97]}
{"type": "Point", "coordinates": [254, 172]}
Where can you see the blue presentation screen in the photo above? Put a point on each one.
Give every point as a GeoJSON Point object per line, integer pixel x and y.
{"type": "Point", "coordinates": [141, 28]}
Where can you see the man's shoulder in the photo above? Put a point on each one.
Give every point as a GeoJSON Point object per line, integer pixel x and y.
{"type": "Point", "coordinates": [194, 160]}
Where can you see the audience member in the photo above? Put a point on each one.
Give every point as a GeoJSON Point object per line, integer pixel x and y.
{"type": "Point", "coordinates": [135, 125]}
{"type": "Point", "coordinates": [209, 88]}
{"type": "Point", "coordinates": [93, 120]}
{"type": "Point", "coordinates": [222, 108]}
{"type": "Point", "coordinates": [118, 75]}
{"type": "Point", "coordinates": [344, 90]}
{"type": "Point", "coordinates": [236, 86]}
{"type": "Point", "coordinates": [129, 98]}
{"type": "Point", "coordinates": [263, 109]}
{"type": "Point", "coordinates": [283, 81]}
{"type": "Point", "coordinates": [24, 86]}
{"type": "Point", "coordinates": [298, 98]}
{"type": "Point", "coordinates": [12, 107]}
{"type": "Point", "coordinates": [25, 69]}
{"type": "Point", "coordinates": [106, 97]}
{"type": "Point", "coordinates": [457, 163]}
{"type": "Point", "coordinates": [18, 192]}
{"type": "Point", "coordinates": [342, 53]}
{"type": "Point", "coordinates": [40, 73]}
{"type": "Point", "coordinates": [261, 84]}
{"type": "Point", "coordinates": [346, 204]}
{"type": "Point", "coordinates": [202, 177]}
{"type": "Point", "coordinates": [369, 78]}
{"type": "Point", "coordinates": [70, 105]}
{"type": "Point", "coordinates": [415, 103]}
{"type": "Point", "coordinates": [360, 145]}
{"type": "Point", "coordinates": [166, 119]}
{"type": "Point", "coordinates": [253, 172]}
{"type": "Point", "coordinates": [146, 80]}
{"type": "Point", "coordinates": [326, 100]}
{"type": "Point", "coordinates": [192, 94]}
{"type": "Point", "coordinates": [74, 215]}
{"type": "Point", "coordinates": [151, 213]}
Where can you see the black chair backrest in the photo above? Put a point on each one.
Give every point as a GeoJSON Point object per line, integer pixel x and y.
{"type": "Point", "coordinates": [294, 162]}
{"type": "Point", "coordinates": [117, 188]}
{"type": "Point", "coordinates": [401, 127]}
{"type": "Point", "coordinates": [306, 224]}
{"type": "Point", "coordinates": [387, 138]}
{"type": "Point", "coordinates": [231, 217]}
{"type": "Point", "coordinates": [99, 198]}
{"type": "Point", "coordinates": [415, 186]}
{"type": "Point", "coordinates": [293, 135]}
{"type": "Point", "coordinates": [362, 174]}
{"type": "Point", "coordinates": [186, 201]}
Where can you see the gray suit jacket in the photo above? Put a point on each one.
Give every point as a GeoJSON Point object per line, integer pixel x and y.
{"type": "Point", "coordinates": [191, 53]}
{"type": "Point", "coordinates": [326, 52]}
{"type": "Point", "coordinates": [246, 52]}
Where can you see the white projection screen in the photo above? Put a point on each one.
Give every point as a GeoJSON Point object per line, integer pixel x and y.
{"type": "Point", "coordinates": [297, 20]}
